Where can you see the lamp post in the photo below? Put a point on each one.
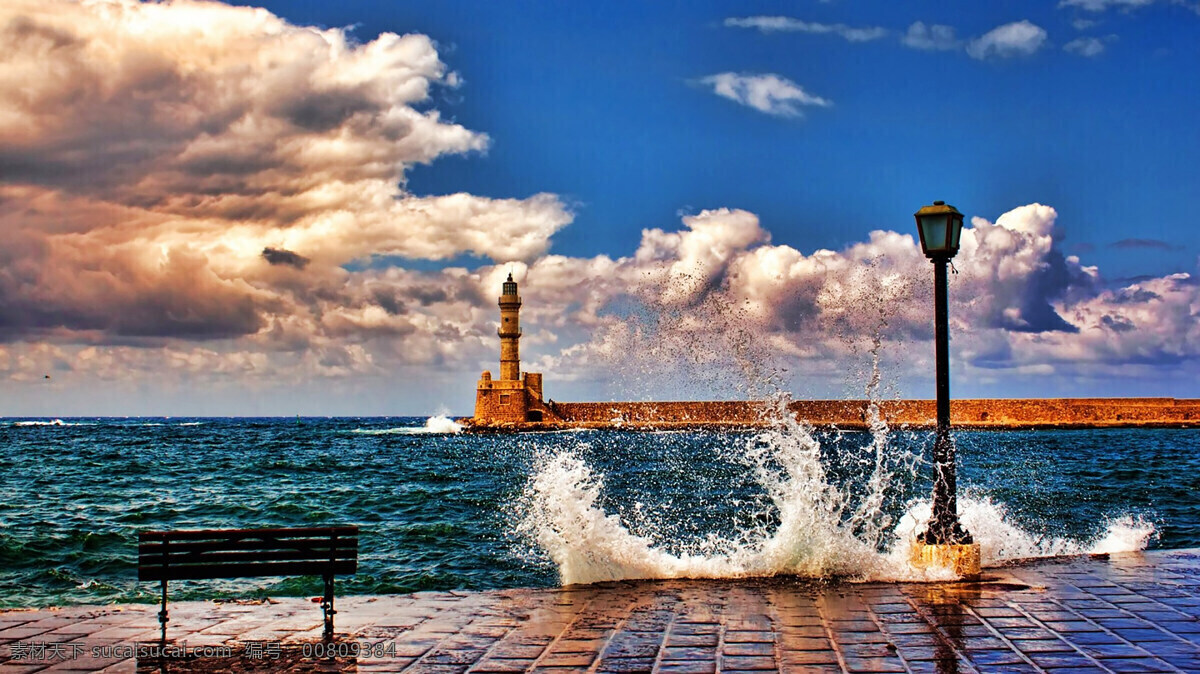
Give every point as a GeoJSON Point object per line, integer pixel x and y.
{"type": "Point", "coordinates": [944, 541]}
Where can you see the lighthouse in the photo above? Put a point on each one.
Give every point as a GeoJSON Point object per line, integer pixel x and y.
{"type": "Point", "coordinates": [510, 331]}
{"type": "Point", "coordinates": [516, 397]}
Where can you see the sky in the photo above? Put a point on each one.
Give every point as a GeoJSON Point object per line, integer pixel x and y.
{"type": "Point", "coordinates": [308, 207]}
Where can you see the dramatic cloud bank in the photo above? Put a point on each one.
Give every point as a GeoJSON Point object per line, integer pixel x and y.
{"type": "Point", "coordinates": [200, 171]}
{"type": "Point", "coordinates": [204, 193]}
{"type": "Point", "coordinates": [718, 289]}
{"type": "Point", "coordinates": [769, 93]}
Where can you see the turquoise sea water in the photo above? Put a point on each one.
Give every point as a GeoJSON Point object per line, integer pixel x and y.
{"type": "Point", "coordinates": [452, 510]}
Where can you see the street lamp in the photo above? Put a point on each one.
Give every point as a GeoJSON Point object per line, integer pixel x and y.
{"type": "Point", "coordinates": [944, 542]}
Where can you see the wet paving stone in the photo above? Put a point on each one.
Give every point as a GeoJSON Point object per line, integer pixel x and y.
{"type": "Point", "coordinates": [504, 665]}
{"type": "Point", "coordinates": [804, 644]}
{"type": "Point", "coordinates": [996, 657]}
{"type": "Point", "coordinates": [749, 637]}
{"type": "Point", "coordinates": [975, 631]}
{"type": "Point", "coordinates": [632, 649]}
{"type": "Point", "coordinates": [803, 631]}
{"type": "Point", "coordinates": [806, 658]}
{"type": "Point", "coordinates": [910, 628]}
{"type": "Point", "coordinates": [1137, 665]}
{"type": "Point", "coordinates": [577, 646]}
{"type": "Point", "coordinates": [692, 667]}
{"type": "Point", "coordinates": [1022, 633]}
{"type": "Point", "coordinates": [748, 663]}
{"type": "Point", "coordinates": [516, 651]}
{"type": "Point", "coordinates": [696, 628]}
{"type": "Point", "coordinates": [914, 641]}
{"type": "Point", "coordinates": [756, 649]}
{"type": "Point", "coordinates": [689, 653]}
{"type": "Point", "coordinates": [874, 665]}
{"type": "Point", "coordinates": [577, 660]}
{"type": "Point", "coordinates": [854, 626]}
{"type": "Point", "coordinates": [626, 665]}
{"type": "Point", "coordinates": [867, 651]}
{"type": "Point", "coordinates": [1043, 646]}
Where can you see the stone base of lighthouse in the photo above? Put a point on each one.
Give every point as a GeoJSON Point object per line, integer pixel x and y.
{"type": "Point", "coordinates": [500, 402]}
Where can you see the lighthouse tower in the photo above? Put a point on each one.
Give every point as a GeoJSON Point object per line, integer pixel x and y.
{"type": "Point", "coordinates": [510, 331]}
{"type": "Point", "coordinates": [516, 397]}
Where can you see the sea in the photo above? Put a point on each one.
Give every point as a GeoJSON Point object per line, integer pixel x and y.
{"type": "Point", "coordinates": [443, 509]}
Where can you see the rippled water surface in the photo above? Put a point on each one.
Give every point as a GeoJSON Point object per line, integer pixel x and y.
{"type": "Point", "coordinates": [441, 510]}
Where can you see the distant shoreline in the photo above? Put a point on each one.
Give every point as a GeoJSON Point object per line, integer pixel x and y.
{"type": "Point", "coordinates": [976, 414]}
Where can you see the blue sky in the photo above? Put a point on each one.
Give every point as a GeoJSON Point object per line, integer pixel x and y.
{"type": "Point", "coordinates": [308, 207]}
{"type": "Point", "coordinates": [601, 105]}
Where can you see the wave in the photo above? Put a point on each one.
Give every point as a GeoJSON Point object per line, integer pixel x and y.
{"type": "Point", "coordinates": [435, 425]}
{"type": "Point", "coordinates": [52, 422]}
{"type": "Point", "coordinates": [820, 529]}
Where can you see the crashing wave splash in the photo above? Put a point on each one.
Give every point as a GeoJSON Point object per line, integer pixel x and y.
{"type": "Point", "coordinates": [821, 531]}
{"type": "Point", "coordinates": [435, 425]}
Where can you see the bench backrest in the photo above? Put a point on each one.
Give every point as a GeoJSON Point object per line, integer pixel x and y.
{"type": "Point", "coordinates": [238, 553]}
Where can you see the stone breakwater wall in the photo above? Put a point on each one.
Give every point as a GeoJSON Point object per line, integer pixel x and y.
{"type": "Point", "coordinates": [992, 413]}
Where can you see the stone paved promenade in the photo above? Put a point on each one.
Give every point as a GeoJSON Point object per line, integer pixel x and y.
{"type": "Point", "coordinates": [1130, 613]}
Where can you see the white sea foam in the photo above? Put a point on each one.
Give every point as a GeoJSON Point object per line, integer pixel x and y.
{"type": "Point", "coordinates": [52, 422]}
{"type": "Point", "coordinates": [1001, 540]}
{"type": "Point", "coordinates": [1124, 534]}
{"type": "Point", "coordinates": [441, 424]}
{"type": "Point", "coordinates": [435, 425]}
{"type": "Point", "coordinates": [823, 530]}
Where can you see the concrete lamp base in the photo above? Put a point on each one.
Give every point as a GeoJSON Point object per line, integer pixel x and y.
{"type": "Point", "coordinates": [964, 560]}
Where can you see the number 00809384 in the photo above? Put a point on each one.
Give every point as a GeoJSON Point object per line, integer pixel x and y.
{"type": "Point", "coordinates": [348, 649]}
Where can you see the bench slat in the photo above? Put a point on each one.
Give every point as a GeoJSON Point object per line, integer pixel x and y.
{"type": "Point", "coordinates": [157, 547]}
{"type": "Point", "coordinates": [223, 557]}
{"type": "Point", "coordinates": [231, 534]}
{"type": "Point", "coordinates": [244, 570]}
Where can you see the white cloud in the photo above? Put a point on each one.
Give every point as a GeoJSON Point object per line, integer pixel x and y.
{"type": "Point", "coordinates": [777, 24]}
{"type": "Point", "coordinates": [934, 37]}
{"type": "Point", "coordinates": [769, 93]}
{"type": "Point", "coordinates": [1125, 6]}
{"type": "Point", "coordinates": [1102, 5]}
{"type": "Point", "coordinates": [1020, 38]}
{"type": "Point", "coordinates": [1087, 47]}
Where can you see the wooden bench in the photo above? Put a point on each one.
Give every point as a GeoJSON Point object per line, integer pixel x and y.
{"type": "Point", "coordinates": [243, 553]}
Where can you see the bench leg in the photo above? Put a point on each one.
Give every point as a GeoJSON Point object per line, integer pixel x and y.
{"type": "Point", "coordinates": [327, 607]}
{"type": "Point", "coordinates": [162, 614]}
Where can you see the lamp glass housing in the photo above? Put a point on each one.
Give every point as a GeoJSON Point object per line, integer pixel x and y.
{"type": "Point", "coordinates": [940, 227]}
